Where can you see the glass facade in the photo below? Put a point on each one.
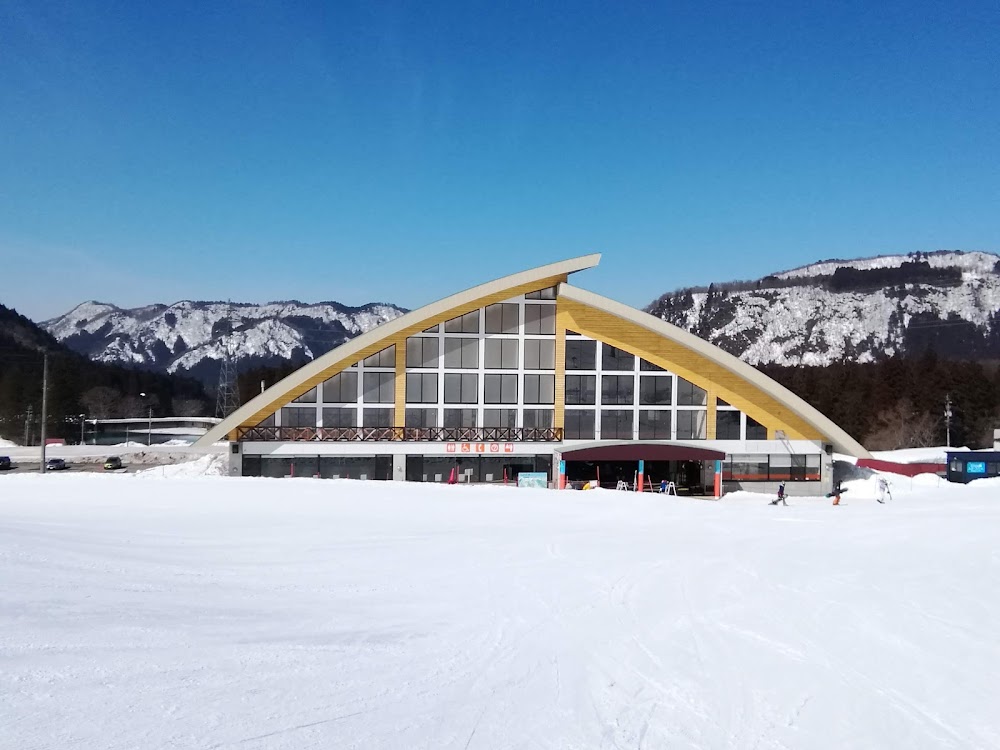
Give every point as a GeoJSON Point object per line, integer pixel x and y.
{"type": "Point", "coordinates": [495, 367]}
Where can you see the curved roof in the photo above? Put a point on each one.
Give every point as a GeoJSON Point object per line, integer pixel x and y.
{"type": "Point", "coordinates": [414, 317]}
{"type": "Point", "coordinates": [842, 442]}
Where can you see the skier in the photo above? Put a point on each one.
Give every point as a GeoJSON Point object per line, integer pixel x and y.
{"type": "Point", "coordinates": [781, 495]}
{"type": "Point", "coordinates": [883, 489]}
{"type": "Point", "coordinates": [837, 491]}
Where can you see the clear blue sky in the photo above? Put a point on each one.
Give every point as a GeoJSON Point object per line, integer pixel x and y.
{"type": "Point", "coordinates": [401, 151]}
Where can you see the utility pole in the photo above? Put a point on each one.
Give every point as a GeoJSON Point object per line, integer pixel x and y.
{"type": "Point", "coordinates": [149, 423]}
{"type": "Point", "coordinates": [29, 418]}
{"type": "Point", "coordinates": [947, 420]}
{"type": "Point", "coordinates": [45, 398]}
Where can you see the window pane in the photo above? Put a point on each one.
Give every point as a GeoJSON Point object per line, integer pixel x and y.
{"type": "Point", "coordinates": [384, 358]}
{"type": "Point", "coordinates": [468, 323]}
{"type": "Point", "coordinates": [617, 389]}
{"type": "Point", "coordinates": [377, 418]}
{"type": "Point", "coordinates": [506, 418]}
{"type": "Point", "coordinates": [421, 418]}
{"type": "Point", "coordinates": [655, 390]}
{"type": "Point", "coordinates": [581, 355]}
{"type": "Point", "coordinates": [539, 389]}
{"type": "Point", "coordinates": [421, 388]}
{"type": "Point", "coordinates": [691, 424]}
{"type": "Point", "coordinates": [461, 353]}
{"type": "Point", "coordinates": [309, 397]}
{"type": "Point", "coordinates": [298, 417]}
{"type": "Point", "coordinates": [581, 389]}
{"type": "Point", "coordinates": [502, 318]}
{"type": "Point", "coordinates": [461, 388]}
{"type": "Point", "coordinates": [539, 354]}
{"type": "Point", "coordinates": [540, 319]}
{"type": "Point", "coordinates": [341, 388]}
{"type": "Point", "coordinates": [755, 430]}
{"type": "Point", "coordinates": [379, 388]}
{"type": "Point", "coordinates": [421, 352]}
{"type": "Point", "coordinates": [538, 419]}
{"type": "Point", "coordinates": [727, 425]}
{"type": "Point", "coordinates": [644, 365]}
{"type": "Point", "coordinates": [613, 358]}
{"type": "Point", "coordinates": [579, 424]}
{"type": "Point", "coordinates": [500, 389]}
{"type": "Point", "coordinates": [340, 417]}
{"type": "Point", "coordinates": [688, 394]}
{"type": "Point", "coordinates": [746, 468]}
{"type": "Point", "coordinates": [501, 354]}
{"type": "Point", "coordinates": [459, 417]}
{"type": "Point", "coordinates": [548, 293]}
{"type": "Point", "coordinates": [508, 389]}
{"type": "Point", "coordinates": [654, 424]}
{"type": "Point", "coordinates": [616, 424]}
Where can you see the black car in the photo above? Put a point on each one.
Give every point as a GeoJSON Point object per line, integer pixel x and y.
{"type": "Point", "coordinates": [56, 464]}
{"type": "Point", "coordinates": [113, 463]}
{"type": "Point", "coordinates": [4, 463]}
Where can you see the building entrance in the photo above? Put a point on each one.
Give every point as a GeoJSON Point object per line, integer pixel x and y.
{"type": "Point", "coordinates": [691, 469]}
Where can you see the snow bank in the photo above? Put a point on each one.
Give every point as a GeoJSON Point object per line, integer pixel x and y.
{"type": "Point", "coordinates": [207, 466]}
{"type": "Point", "coordinates": [932, 455]}
{"type": "Point", "coordinates": [7, 443]}
{"type": "Point", "coordinates": [293, 613]}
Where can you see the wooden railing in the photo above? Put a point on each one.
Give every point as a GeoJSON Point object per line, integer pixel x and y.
{"type": "Point", "coordinates": [396, 434]}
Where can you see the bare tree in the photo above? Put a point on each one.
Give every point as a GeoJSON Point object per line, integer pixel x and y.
{"type": "Point", "coordinates": [189, 407]}
{"type": "Point", "coordinates": [131, 407]}
{"type": "Point", "coordinates": [902, 426]}
{"type": "Point", "coordinates": [101, 402]}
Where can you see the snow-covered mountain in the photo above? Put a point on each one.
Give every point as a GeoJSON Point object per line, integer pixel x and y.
{"type": "Point", "coordinates": [192, 337]}
{"type": "Point", "coordinates": [860, 310]}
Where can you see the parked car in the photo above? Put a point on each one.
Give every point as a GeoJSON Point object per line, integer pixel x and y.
{"type": "Point", "coordinates": [113, 463]}
{"type": "Point", "coordinates": [56, 464]}
{"type": "Point", "coordinates": [4, 463]}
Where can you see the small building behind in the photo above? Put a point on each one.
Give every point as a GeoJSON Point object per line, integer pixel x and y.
{"type": "Point", "coordinates": [967, 466]}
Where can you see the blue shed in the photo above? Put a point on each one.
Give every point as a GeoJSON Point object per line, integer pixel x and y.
{"type": "Point", "coordinates": [968, 465]}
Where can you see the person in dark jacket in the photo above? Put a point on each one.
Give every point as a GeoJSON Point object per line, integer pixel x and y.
{"type": "Point", "coordinates": [781, 495]}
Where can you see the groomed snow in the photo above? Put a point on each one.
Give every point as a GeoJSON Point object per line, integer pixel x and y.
{"type": "Point", "coordinates": [211, 612]}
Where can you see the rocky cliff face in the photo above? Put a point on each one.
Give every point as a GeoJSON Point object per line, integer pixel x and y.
{"type": "Point", "coordinates": [192, 337]}
{"type": "Point", "coordinates": [857, 310]}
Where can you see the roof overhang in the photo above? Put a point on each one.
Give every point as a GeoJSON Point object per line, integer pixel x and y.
{"type": "Point", "coordinates": [634, 450]}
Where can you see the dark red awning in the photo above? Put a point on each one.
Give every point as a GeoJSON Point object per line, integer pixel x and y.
{"type": "Point", "coordinates": [633, 451]}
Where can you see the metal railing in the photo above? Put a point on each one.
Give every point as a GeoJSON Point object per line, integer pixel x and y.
{"type": "Point", "coordinates": [398, 434]}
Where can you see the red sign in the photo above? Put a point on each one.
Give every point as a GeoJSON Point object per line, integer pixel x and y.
{"type": "Point", "coordinates": [508, 447]}
{"type": "Point", "coordinates": [450, 447]}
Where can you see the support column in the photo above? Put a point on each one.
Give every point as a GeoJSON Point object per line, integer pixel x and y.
{"type": "Point", "coordinates": [235, 460]}
{"type": "Point", "coordinates": [399, 467]}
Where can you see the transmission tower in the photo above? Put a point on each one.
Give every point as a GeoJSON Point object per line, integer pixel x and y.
{"type": "Point", "coordinates": [227, 399]}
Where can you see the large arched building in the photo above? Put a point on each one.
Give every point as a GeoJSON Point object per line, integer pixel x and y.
{"type": "Point", "coordinates": [524, 372]}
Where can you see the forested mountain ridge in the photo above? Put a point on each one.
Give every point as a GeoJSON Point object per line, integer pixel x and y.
{"type": "Point", "coordinates": [77, 385]}
{"type": "Point", "coordinates": [862, 310]}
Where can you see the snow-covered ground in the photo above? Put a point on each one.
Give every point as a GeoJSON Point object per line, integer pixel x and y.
{"type": "Point", "coordinates": [209, 612]}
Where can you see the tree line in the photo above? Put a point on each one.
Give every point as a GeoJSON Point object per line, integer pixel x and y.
{"type": "Point", "coordinates": [900, 401]}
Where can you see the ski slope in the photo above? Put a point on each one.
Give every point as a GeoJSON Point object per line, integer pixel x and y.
{"type": "Point", "coordinates": [170, 611]}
